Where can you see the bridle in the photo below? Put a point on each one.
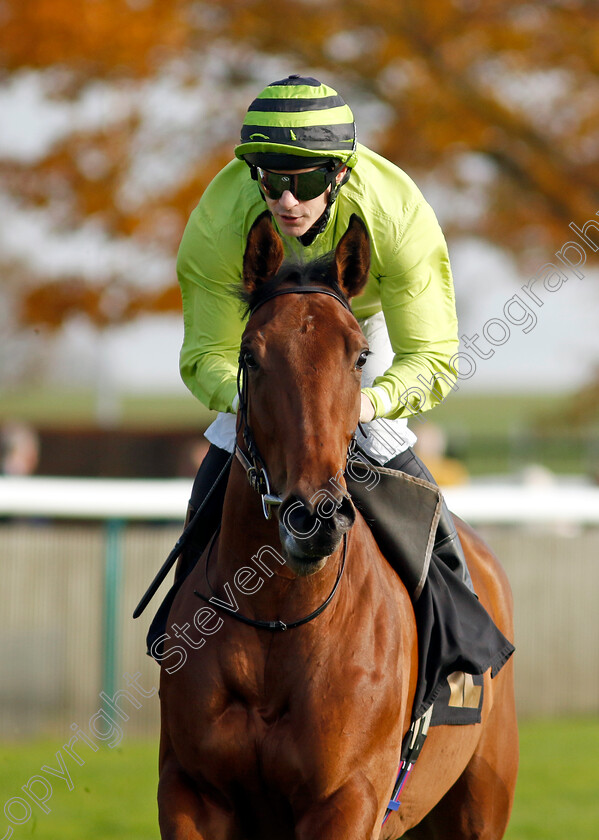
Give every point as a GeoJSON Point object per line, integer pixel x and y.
{"type": "Point", "coordinates": [252, 462]}
{"type": "Point", "coordinates": [257, 476]}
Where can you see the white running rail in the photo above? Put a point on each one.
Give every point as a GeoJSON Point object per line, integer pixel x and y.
{"type": "Point", "coordinates": [159, 499]}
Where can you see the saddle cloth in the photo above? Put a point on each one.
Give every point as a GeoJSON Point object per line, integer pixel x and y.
{"type": "Point", "coordinates": [457, 639]}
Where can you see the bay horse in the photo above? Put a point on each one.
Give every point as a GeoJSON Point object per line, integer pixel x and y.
{"type": "Point", "coordinates": [287, 724]}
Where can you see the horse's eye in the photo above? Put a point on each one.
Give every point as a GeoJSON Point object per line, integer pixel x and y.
{"type": "Point", "coordinates": [361, 361]}
{"type": "Point", "coordinates": [249, 360]}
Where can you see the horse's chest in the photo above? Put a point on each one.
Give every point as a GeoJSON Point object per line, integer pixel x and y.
{"type": "Point", "coordinates": [272, 726]}
{"type": "Point", "coordinates": [277, 710]}
{"type": "Point", "coordinates": [269, 747]}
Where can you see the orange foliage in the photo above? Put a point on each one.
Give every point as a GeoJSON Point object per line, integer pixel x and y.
{"type": "Point", "coordinates": [51, 303]}
{"type": "Point", "coordinates": [95, 37]}
{"type": "Point", "coordinates": [508, 83]}
{"type": "Point", "coordinates": [440, 65]}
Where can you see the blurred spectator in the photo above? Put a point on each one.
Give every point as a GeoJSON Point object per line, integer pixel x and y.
{"type": "Point", "coordinates": [431, 447]}
{"type": "Point", "coordinates": [19, 449]}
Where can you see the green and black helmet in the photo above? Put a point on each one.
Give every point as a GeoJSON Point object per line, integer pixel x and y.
{"type": "Point", "coordinates": [296, 119]}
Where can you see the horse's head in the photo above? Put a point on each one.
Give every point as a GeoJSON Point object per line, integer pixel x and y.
{"type": "Point", "coordinates": [301, 358]}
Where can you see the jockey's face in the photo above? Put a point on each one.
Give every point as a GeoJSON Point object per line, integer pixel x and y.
{"type": "Point", "coordinates": [295, 217]}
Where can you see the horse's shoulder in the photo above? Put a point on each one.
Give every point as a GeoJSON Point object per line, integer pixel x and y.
{"type": "Point", "coordinates": [379, 571]}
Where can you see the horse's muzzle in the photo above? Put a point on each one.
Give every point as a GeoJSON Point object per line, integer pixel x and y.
{"type": "Point", "coordinates": [309, 534]}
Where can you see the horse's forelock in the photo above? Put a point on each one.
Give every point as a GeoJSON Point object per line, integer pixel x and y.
{"type": "Point", "coordinates": [318, 272]}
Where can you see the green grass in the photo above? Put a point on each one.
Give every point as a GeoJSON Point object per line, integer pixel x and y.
{"type": "Point", "coordinates": [502, 433]}
{"type": "Point", "coordinates": [489, 433]}
{"type": "Point", "coordinates": [68, 409]}
{"type": "Point", "coordinates": [114, 793]}
{"type": "Point", "coordinates": [493, 414]}
{"type": "Point", "coordinates": [490, 414]}
{"type": "Point", "coordinates": [557, 796]}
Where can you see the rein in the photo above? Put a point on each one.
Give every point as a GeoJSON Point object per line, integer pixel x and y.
{"type": "Point", "coordinates": [271, 625]}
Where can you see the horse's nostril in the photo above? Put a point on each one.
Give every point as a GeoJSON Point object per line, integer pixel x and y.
{"type": "Point", "coordinates": [346, 511]}
{"type": "Point", "coordinates": [299, 518]}
{"type": "Point", "coordinates": [303, 521]}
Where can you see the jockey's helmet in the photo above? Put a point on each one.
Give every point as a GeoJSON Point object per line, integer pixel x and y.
{"type": "Point", "coordinates": [297, 123]}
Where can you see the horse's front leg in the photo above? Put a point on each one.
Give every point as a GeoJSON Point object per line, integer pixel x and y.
{"type": "Point", "coordinates": [348, 814]}
{"type": "Point", "coordinates": [183, 814]}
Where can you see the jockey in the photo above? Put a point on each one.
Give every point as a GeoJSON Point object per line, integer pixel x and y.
{"type": "Point", "coordinates": [299, 157]}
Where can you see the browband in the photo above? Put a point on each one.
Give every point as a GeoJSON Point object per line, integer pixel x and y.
{"type": "Point", "coordinates": [298, 290]}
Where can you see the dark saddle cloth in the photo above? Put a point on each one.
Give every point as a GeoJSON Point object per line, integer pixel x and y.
{"type": "Point", "coordinates": [456, 635]}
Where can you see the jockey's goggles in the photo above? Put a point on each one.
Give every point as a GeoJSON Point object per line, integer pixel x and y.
{"type": "Point", "coordinates": [303, 185]}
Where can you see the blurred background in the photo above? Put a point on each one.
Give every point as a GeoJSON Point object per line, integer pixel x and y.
{"type": "Point", "coordinates": [114, 116]}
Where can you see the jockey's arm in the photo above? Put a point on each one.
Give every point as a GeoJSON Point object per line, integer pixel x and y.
{"type": "Point", "coordinates": [211, 314]}
{"type": "Point", "coordinates": [418, 302]}
{"type": "Point", "coordinates": [416, 293]}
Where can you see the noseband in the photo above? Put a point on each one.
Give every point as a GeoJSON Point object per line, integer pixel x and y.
{"type": "Point", "coordinates": [253, 463]}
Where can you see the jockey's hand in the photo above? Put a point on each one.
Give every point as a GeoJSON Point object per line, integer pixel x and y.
{"type": "Point", "coordinates": [366, 410]}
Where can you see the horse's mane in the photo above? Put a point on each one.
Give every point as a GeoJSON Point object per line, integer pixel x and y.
{"type": "Point", "coordinates": [318, 272]}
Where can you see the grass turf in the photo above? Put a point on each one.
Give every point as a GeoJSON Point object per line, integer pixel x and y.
{"type": "Point", "coordinates": [557, 795]}
{"type": "Point", "coordinates": [114, 792]}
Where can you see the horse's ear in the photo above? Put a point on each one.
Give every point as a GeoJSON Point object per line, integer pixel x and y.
{"type": "Point", "coordinates": [263, 253]}
{"type": "Point", "coordinates": [352, 257]}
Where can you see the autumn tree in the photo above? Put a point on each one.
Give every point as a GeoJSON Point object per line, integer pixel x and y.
{"type": "Point", "coordinates": [496, 99]}
{"type": "Point", "coordinates": [125, 103]}
{"type": "Point", "coordinates": [492, 104]}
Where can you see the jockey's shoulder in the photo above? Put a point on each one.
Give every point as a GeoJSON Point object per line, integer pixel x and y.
{"type": "Point", "coordinates": [232, 187]}
{"type": "Point", "coordinates": [380, 186]}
